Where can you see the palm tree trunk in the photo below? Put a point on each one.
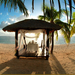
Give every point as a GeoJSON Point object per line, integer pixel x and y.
{"type": "Point", "coordinates": [52, 42]}
{"type": "Point", "coordinates": [52, 38]}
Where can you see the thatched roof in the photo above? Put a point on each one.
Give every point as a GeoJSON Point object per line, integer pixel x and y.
{"type": "Point", "coordinates": [31, 24]}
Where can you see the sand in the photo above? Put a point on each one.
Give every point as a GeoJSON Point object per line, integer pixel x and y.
{"type": "Point", "coordinates": [61, 62]}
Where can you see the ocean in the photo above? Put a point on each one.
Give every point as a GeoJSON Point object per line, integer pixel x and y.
{"type": "Point", "coordinates": [11, 40]}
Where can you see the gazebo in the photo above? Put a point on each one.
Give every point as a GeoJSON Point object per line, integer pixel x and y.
{"type": "Point", "coordinates": [32, 25]}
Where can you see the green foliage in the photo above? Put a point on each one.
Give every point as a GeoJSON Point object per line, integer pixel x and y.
{"type": "Point", "coordinates": [65, 26]}
{"type": "Point", "coordinates": [66, 35]}
{"type": "Point", "coordinates": [56, 33]}
{"type": "Point", "coordinates": [73, 25]}
{"type": "Point", "coordinates": [73, 15]}
{"type": "Point", "coordinates": [72, 30]}
{"type": "Point", "coordinates": [49, 15]}
{"type": "Point", "coordinates": [65, 30]}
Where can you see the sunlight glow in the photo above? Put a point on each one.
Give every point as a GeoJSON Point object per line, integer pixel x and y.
{"type": "Point", "coordinates": [38, 40]}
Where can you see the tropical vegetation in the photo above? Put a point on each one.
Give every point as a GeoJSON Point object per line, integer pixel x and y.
{"type": "Point", "coordinates": [73, 25]}
{"type": "Point", "coordinates": [66, 2]}
{"type": "Point", "coordinates": [52, 16]}
{"type": "Point", "coordinates": [49, 17]}
{"type": "Point", "coordinates": [20, 4]}
{"type": "Point", "coordinates": [15, 4]}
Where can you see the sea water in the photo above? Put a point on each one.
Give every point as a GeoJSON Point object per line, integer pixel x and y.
{"type": "Point", "coordinates": [61, 40]}
{"type": "Point", "coordinates": [11, 40]}
{"type": "Point", "coordinates": [7, 39]}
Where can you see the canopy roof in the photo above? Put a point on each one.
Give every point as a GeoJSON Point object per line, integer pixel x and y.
{"type": "Point", "coordinates": [31, 24]}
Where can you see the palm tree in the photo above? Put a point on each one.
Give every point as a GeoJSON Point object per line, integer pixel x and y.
{"type": "Point", "coordinates": [73, 24]}
{"type": "Point", "coordinates": [15, 4]}
{"type": "Point", "coordinates": [52, 15]}
{"type": "Point", "coordinates": [65, 30]}
{"type": "Point", "coordinates": [66, 2]}
{"type": "Point", "coordinates": [20, 4]}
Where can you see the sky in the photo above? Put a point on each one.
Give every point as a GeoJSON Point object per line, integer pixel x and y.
{"type": "Point", "coordinates": [8, 17]}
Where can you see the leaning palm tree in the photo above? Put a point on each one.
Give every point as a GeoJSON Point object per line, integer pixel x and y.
{"type": "Point", "coordinates": [65, 30]}
{"type": "Point", "coordinates": [52, 15]}
{"type": "Point", "coordinates": [73, 25]}
{"type": "Point", "coordinates": [15, 4]}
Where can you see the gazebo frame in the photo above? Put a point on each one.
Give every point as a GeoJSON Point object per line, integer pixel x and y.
{"type": "Point", "coordinates": [31, 24]}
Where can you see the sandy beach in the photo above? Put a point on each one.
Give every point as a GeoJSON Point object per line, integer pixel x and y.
{"type": "Point", "coordinates": [61, 62]}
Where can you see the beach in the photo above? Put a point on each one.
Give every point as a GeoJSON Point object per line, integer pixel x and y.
{"type": "Point", "coordinates": [62, 61]}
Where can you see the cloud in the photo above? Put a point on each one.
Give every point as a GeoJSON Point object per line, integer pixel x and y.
{"type": "Point", "coordinates": [11, 20]}
{"type": "Point", "coordinates": [3, 24]}
{"type": "Point", "coordinates": [2, 33]}
{"type": "Point", "coordinates": [0, 13]}
{"type": "Point", "coordinates": [68, 6]}
{"type": "Point", "coordinates": [14, 19]}
{"type": "Point", "coordinates": [64, 18]}
{"type": "Point", "coordinates": [7, 13]}
{"type": "Point", "coordinates": [20, 18]}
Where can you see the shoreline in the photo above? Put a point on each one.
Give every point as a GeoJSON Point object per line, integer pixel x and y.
{"type": "Point", "coordinates": [54, 44]}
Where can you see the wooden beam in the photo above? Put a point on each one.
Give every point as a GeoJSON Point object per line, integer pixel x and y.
{"type": "Point", "coordinates": [47, 45]}
{"type": "Point", "coordinates": [24, 40]}
{"type": "Point", "coordinates": [16, 44]}
{"type": "Point", "coordinates": [43, 50]}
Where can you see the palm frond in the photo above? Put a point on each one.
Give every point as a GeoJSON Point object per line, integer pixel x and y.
{"type": "Point", "coordinates": [70, 4]}
{"type": "Point", "coordinates": [73, 18]}
{"type": "Point", "coordinates": [65, 30]}
{"type": "Point", "coordinates": [66, 36]}
{"type": "Point", "coordinates": [51, 15]}
{"type": "Point", "coordinates": [1, 2]}
{"type": "Point", "coordinates": [56, 33]}
{"type": "Point", "coordinates": [63, 24]}
{"type": "Point", "coordinates": [72, 21]}
{"type": "Point", "coordinates": [22, 7]}
{"type": "Point", "coordinates": [32, 5]}
{"type": "Point", "coordinates": [44, 8]}
{"type": "Point", "coordinates": [66, 10]}
{"type": "Point", "coordinates": [59, 8]}
{"type": "Point", "coordinates": [41, 17]}
{"type": "Point", "coordinates": [72, 30]}
{"type": "Point", "coordinates": [53, 3]}
{"type": "Point", "coordinates": [74, 1]}
{"type": "Point", "coordinates": [14, 3]}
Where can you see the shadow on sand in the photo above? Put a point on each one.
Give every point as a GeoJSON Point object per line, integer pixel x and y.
{"type": "Point", "coordinates": [73, 60]}
{"type": "Point", "coordinates": [56, 66]}
{"type": "Point", "coordinates": [32, 66]}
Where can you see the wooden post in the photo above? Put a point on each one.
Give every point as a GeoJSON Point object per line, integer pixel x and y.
{"type": "Point", "coordinates": [43, 44]}
{"type": "Point", "coordinates": [24, 40]}
{"type": "Point", "coordinates": [47, 45]}
{"type": "Point", "coordinates": [52, 42]}
{"type": "Point", "coordinates": [16, 44]}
